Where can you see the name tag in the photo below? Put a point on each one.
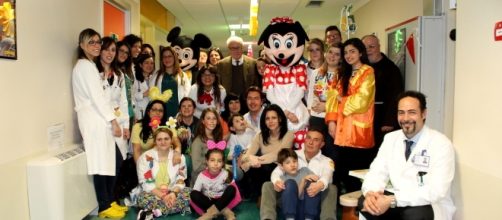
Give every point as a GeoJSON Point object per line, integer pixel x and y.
{"type": "Point", "coordinates": [421, 161]}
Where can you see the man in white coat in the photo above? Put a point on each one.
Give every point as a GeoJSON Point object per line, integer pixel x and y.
{"type": "Point", "coordinates": [418, 162]}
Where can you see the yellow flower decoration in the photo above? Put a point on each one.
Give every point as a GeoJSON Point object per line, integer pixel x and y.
{"type": "Point", "coordinates": [171, 123]}
{"type": "Point", "coordinates": [6, 18]}
{"type": "Point", "coordinates": [154, 94]}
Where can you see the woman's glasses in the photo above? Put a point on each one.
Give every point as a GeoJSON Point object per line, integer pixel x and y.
{"type": "Point", "coordinates": [92, 42]}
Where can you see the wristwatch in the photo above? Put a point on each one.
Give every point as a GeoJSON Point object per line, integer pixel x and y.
{"type": "Point", "coordinates": [393, 203]}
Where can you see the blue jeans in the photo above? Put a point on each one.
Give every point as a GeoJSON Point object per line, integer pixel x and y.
{"type": "Point", "coordinates": [294, 207]}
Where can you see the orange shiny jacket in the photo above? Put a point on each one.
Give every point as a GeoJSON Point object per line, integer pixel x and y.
{"type": "Point", "coordinates": [353, 113]}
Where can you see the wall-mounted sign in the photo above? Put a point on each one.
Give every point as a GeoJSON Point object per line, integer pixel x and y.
{"type": "Point", "coordinates": [497, 31]}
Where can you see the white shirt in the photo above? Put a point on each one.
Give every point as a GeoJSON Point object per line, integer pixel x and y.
{"type": "Point", "coordinates": [240, 139]}
{"type": "Point", "coordinates": [116, 95]}
{"type": "Point", "coordinates": [320, 165]}
{"type": "Point", "coordinates": [199, 107]}
{"type": "Point", "coordinates": [435, 187]}
{"type": "Point", "coordinates": [252, 122]}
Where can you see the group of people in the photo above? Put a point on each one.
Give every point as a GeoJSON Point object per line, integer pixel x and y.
{"type": "Point", "coordinates": [207, 142]}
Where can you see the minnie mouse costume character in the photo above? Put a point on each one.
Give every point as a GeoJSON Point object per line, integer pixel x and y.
{"type": "Point", "coordinates": [188, 49]}
{"type": "Point", "coordinates": [285, 81]}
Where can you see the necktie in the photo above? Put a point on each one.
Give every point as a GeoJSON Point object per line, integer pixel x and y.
{"type": "Point", "coordinates": [236, 62]}
{"type": "Point", "coordinates": [408, 149]}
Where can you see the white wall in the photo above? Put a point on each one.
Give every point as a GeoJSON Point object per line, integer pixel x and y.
{"type": "Point", "coordinates": [477, 118]}
{"type": "Point", "coordinates": [36, 88]}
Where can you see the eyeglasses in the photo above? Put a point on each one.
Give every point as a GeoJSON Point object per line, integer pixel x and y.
{"type": "Point", "coordinates": [92, 42]}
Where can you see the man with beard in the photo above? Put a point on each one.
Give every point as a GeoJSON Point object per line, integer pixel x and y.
{"type": "Point", "coordinates": [418, 162]}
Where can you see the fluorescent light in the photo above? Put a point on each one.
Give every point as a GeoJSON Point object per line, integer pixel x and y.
{"type": "Point", "coordinates": [238, 26]}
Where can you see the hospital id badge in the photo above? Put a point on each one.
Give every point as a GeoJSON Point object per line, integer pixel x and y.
{"type": "Point", "coordinates": [421, 161]}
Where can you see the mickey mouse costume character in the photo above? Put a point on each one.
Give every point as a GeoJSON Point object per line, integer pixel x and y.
{"type": "Point", "coordinates": [188, 49]}
{"type": "Point", "coordinates": [285, 81]}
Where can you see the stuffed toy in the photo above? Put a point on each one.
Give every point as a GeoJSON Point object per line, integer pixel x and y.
{"type": "Point", "coordinates": [188, 49]}
{"type": "Point", "coordinates": [285, 80]}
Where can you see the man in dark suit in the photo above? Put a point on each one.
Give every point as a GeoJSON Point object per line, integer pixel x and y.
{"type": "Point", "coordinates": [237, 71]}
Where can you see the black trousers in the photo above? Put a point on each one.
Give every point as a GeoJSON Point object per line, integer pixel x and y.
{"type": "Point", "coordinates": [104, 186]}
{"type": "Point", "coordinates": [350, 158]}
{"type": "Point", "coordinates": [204, 202]}
{"type": "Point", "coordinates": [253, 179]}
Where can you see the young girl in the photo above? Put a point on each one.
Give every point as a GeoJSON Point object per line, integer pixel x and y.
{"type": "Point", "coordinates": [143, 70]}
{"type": "Point", "coordinates": [209, 129]}
{"type": "Point", "coordinates": [319, 89]}
{"type": "Point", "coordinates": [212, 191]}
{"type": "Point", "coordinates": [162, 180]}
{"type": "Point", "coordinates": [171, 77]}
{"type": "Point", "coordinates": [207, 92]}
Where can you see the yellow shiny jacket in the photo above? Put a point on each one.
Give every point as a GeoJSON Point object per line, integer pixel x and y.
{"type": "Point", "coordinates": [353, 113]}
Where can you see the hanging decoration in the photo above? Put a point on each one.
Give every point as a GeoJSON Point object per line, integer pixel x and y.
{"type": "Point", "coordinates": [410, 45]}
{"type": "Point", "coordinates": [347, 21]}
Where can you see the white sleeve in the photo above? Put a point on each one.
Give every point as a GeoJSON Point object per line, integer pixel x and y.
{"type": "Point", "coordinates": [88, 77]}
{"type": "Point", "coordinates": [198, 183]}
{"type": "Point", "coordinates": [276, 174]}
{"type": "Point", "coordinates": [326, 175]}
{"type": "Point", "coordinates": [310, 90]}
{"type": "Point", "coordinates": [142, 168]}
{"type": "Point", "coordinates": [124, 107]}
{"type": "Point", "coordinates": [181, 176]}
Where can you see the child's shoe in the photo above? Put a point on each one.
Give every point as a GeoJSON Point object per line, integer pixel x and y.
{"type": "Point", "coordinates": [144, 215]}
{"type": "Point", "coordinates": [111, 213]}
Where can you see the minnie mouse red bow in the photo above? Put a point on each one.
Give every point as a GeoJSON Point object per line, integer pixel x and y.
{"type": "Point", "coordinates": [205, 98]}
{"type": "Point", "coordinates": [212, 145]}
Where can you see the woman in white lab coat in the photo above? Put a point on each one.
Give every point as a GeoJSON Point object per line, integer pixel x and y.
{"type": "Point", "coordinates": [97, 122]}
{"type": "Point", "coordinates": [113, 81]}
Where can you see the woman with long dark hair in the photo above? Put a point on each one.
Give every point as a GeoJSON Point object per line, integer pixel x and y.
{"type": "Point", "coordinates": [207, 92]}
{"type": "Point", "coordinates": [350, 114]}
{"type": "Point", "coordinates": [259, 160]}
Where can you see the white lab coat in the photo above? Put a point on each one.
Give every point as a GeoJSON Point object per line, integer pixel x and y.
{"type": "Point", "coordinates": [94, 115]}
{"type": "Point", "coordinates": [390, 164]}
{"type": "Point", "coordinates": [116, 94]}
{"type": "Point", "coordinates": [138, 89]}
